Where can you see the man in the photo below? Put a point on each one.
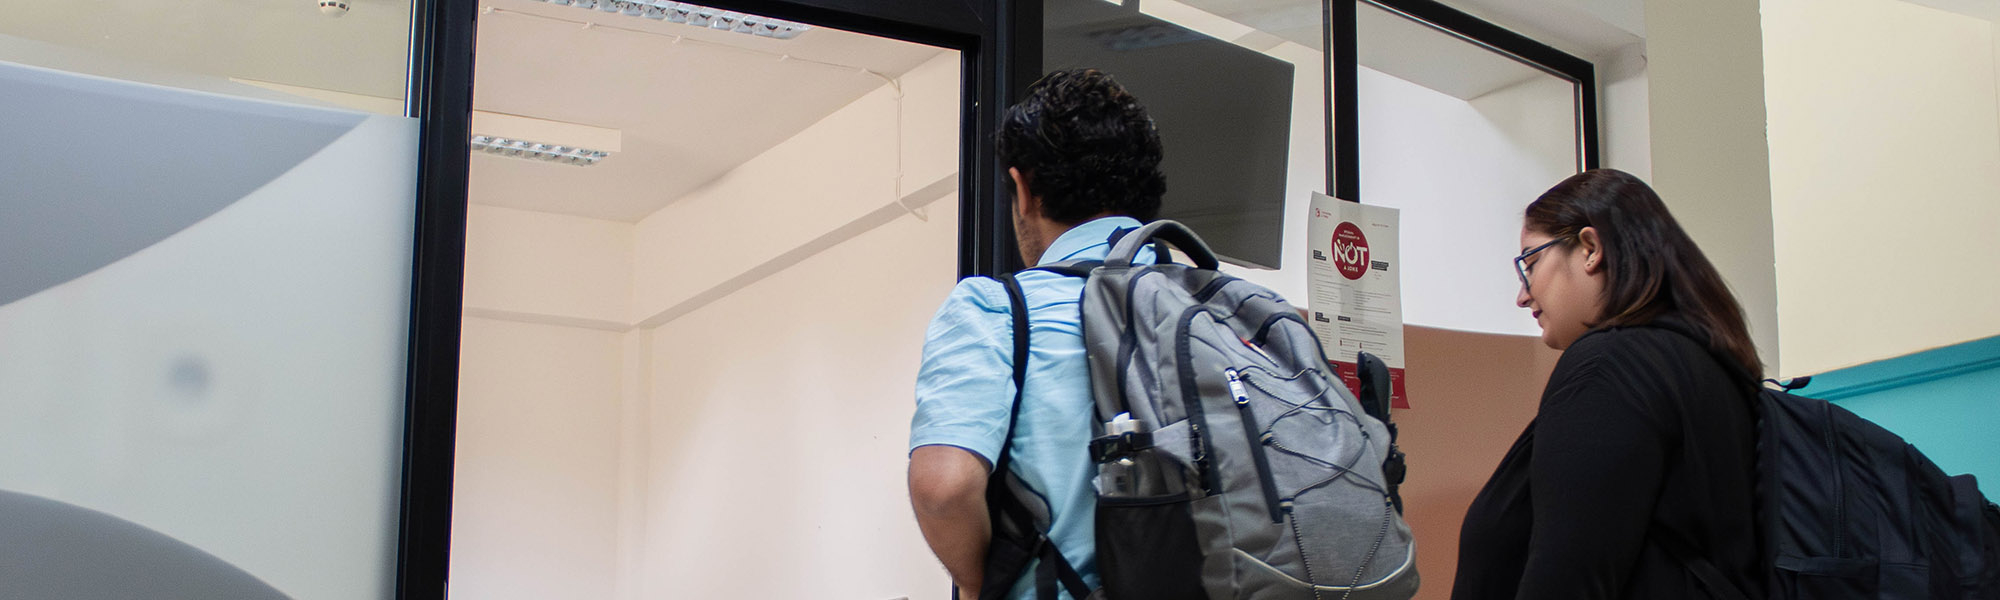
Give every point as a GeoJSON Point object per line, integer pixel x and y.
{"type": "Point", "coordinates": [1083, 159]}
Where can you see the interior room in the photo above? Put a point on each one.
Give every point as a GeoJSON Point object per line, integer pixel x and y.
{"type": "Point", "coordinates": [686, 366]}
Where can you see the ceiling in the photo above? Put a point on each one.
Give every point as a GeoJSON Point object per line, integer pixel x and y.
{"type": "Point", "coordinates": [1590, 29]}
{"type": "Point", "coordinates": [1408, 49]}
{"type": "Point", "coordinates": [1392, 44]}
{"type": "Point", "coordinates": [690, 103]}
{"type": "Point", "coordinates": [1981, 9]}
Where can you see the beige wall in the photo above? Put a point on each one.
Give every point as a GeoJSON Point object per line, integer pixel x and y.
{"type": "Point", "coordinates": [779, 410]}
{"type": "Point", "coordinates": [560, 268]}
{"type": "Point", "coordinates": [1473, 394]}
{"type": "Point", "coordinates": [1885, 178]}
{"type": "Point", "coordinates": [780, 419]}
{"type": "Point", "coordinates": [535, 491]}
{"type": "Point", "coordinates": [837, 171]}
{"type": "Point", "coordinates": [1705, 93]}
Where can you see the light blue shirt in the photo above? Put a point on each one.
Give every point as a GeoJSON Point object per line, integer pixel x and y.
{"type": "Point", "coordinates": [965, 388]}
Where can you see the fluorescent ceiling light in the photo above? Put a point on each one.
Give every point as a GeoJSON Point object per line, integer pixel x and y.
{"type": "Point", "coordinates": [495, 133]}
{"type": "Point", "coordinates": [582, 157]}
{"type": "Point", "coordinates": [541, 139]}
{"type": "Point", "coordinates": [695, 15]}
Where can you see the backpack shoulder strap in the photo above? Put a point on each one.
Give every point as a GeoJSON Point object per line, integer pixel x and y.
{"type": "Point", "coordinates": [1171, 232]}
{"type": "Point", "coordinates": [1376, 390]}
{"type": "Point", "coordinates": [1017, 303]}
{"type": "Point", "coordinates": [1703, 570]}
{"type": "Point", "coordinates": [1071, 268]}
{"type": "Point", "coordinates": [1008, 496]}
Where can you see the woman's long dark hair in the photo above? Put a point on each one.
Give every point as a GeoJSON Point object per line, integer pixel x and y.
{"type": "Point", "coordinates": [1652, 268]}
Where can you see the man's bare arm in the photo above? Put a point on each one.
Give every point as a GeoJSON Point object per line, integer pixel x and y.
{"type": "Point", "coordinates": [948, 491]}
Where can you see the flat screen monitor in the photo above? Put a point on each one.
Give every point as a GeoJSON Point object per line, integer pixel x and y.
{"type": "Point", "coordinates": [1224, 114]}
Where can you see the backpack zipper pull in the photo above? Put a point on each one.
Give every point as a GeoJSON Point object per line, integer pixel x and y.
{"type": "Point", "coordinates": [1236, 390]}
{"type": "Point", "coordinates": [1258, 440]}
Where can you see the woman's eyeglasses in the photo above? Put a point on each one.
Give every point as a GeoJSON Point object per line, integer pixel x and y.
{"type": "Point", "coordinates": [1521, 262]}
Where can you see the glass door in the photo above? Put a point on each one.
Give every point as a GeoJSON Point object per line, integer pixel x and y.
{"type": "Point", "coordinates": [206, 209]}
{"type": "Point", "coordinates": [658, 361]}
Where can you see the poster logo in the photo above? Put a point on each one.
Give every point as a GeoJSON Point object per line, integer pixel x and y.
{"type": "Point", "coordinates": [1350, 250]}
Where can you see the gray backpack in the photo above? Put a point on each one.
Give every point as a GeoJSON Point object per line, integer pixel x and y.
{"type": "Point", "coordinates": [1232, 462]}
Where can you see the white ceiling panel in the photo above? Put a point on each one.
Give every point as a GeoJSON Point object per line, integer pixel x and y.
{"type": "Point", "coordinates": [691, 103]}
{"type": "Point", "coordinates": [1423, 55]}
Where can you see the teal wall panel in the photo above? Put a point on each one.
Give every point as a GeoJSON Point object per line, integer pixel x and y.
{"type": "Point", "coordinates": [1945, 401]}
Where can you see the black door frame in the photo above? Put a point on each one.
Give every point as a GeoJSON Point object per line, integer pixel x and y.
{"type": "Point", "coordinates": [440, 97]}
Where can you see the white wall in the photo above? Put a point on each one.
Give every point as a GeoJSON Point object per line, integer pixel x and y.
{"type": "Point", "coordinates": [1885, 178]}
{"type": "Point", "coordinates": [1460, 170]}
{"type": "Point", "coordinates": [780, 422]}
{"type": "Point", "coordinates": [1624, 125]}
{"type": "Point", "coordinates": [534, 500]}
{"type": "Point", "coordinates": [542, 501]}
{"type": "Point", "coordinates": [1461, 173]}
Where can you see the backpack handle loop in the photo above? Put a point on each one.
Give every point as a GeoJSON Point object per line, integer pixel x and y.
{"type": "Point", "coordinates": [1171, 232]}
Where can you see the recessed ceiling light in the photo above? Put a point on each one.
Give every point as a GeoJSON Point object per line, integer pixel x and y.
{"type": "Point", "coordinates": [702, 16]}
{"type": "Point", "coordinates": [696, 15]}
{"type": "Point", "coordinates": [582, 157]}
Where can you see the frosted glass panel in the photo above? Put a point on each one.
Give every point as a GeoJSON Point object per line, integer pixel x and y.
{"type": "Point", "coordinates": [203, 317]}
{"type": "Point", "coordinates": [361, 54]}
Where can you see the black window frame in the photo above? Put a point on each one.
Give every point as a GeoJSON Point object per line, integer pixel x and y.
{"type": "Point", "coordinates": [1343, 67]}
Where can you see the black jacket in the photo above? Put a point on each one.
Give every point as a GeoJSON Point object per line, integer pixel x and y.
{"type": "Point", "coordinates": [1641, 433]}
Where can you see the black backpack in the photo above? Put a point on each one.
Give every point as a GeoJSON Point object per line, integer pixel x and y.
{"type": "Point", "coordinates": [1849, 510]}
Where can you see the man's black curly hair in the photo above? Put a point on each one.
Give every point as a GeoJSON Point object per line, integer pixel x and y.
{"type": "Point", "coordinates": [1086, 147]}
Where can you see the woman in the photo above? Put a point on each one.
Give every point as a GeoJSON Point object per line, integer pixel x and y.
{"type": "Point", "coordinates": [1643, 442]}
